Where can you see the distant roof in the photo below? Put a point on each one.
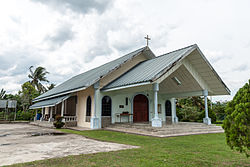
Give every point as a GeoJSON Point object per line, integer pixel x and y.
{"type": "Point", "coordinates": [149, 70]}
{"type": "Point", "coordinates": [90, 77]}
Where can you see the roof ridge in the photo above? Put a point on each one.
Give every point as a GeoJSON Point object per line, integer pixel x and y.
{"type": "Point", "coordinates": [117, 63]}
{"type": "Point", "coordinates": [142, 48]}
{"type": "Point", "coordinates": [177, 50]}
{"type": "Point", "coordinates": [183, 52]}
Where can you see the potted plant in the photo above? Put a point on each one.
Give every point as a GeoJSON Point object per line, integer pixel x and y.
{"type": "Point", "coordinates": [58, 122]}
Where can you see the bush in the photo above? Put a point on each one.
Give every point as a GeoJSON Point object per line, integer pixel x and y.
{"type": "Point", "coordinates": [26, 116]}
{"type": "Point", "coordinates": [192, 114]}
{"type": "Point", "coordinates": [219, 109]}
{"type": "Point", "coordinates": [237, 121]}
{"type": "Point", "coordinates": [211, 114]}
{"type": "Point", "coordinates": [188, 114]}
{"type": "Point", "coordinates": [58, 122]}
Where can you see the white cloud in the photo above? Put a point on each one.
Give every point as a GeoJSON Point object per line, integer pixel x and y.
{"type": "Point", "coordinates": [70, 37]}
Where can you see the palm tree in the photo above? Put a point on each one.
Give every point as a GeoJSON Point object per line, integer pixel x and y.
{"type": "Point", "coordinates": [38, 76]}
{"type": "Point", "coordinates": [2, 93]}
{"type": "Point", "coordinates": [51, 86]}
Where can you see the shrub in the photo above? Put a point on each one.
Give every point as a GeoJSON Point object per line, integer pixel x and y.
{"type": "Point", "coordinates": [58, 122]}
{"type": "Point", "coordinates": [211, 114]}
{"type": "Point", "coordinates": [188, 114]}
{"type": "Point", "coordinates": [237, 121]}
{"type": "Point", "coordinates": [26, 116]}
{"type": "Point", "coordinates": [219, 109]}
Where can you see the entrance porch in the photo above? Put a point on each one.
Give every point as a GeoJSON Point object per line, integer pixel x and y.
{"type": "Point", "coordinates": [180, 129]}
{"type": "Point", "coordinates": [64, 106]}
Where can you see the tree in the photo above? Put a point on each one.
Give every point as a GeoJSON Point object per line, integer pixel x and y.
{"type": "Point", "coordinates": [27, 94]}
{"type": "Point", "coordinates": [237, 121]}
{"type": "Point", "coordinates": [193, 109]}
{"type": "Point", "coordinates": [2, 93]}
{"type": "Point", "coordinates": [220, 110]}
{"type": "Point", "coordinates": [37, 77]}
{"type": "Point", "coordinates": [51, 86]}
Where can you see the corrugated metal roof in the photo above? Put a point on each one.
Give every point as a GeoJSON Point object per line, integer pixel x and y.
{"type": "Point", "coordinates": [88, 78]}
{"type": "Point", "coordinates": [49, 102]}
{"type": "Point", "coordinates": [149, 69]}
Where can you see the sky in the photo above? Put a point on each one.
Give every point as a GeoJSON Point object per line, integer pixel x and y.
{"type": "Point", "coordinates": [69, 37]}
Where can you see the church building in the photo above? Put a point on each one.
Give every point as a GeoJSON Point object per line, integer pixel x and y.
{"type": "Point", "coordinates": [137, 87]}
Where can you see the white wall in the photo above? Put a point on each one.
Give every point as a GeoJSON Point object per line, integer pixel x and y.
{"type": "Point", "coordinates": [81, 106]}
{"type": "Point", "coordinates": [118, 98]}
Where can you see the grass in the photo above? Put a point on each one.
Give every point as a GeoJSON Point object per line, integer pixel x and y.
{"type": "Point", "coordinates": [194, 150]}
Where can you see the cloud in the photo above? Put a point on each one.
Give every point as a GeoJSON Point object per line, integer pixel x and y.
{"type": "Point", "coordinates": [241, 68]}
{"type": "Point", "coordinates": [16, 19]}
{"type": "Point", "coordinates": [69, 37]}
{"type": "Point", "coordinates": [61, 35]}
{"type": "Point", "coordinates": [79, 6]}
{"type": "Point", "coordinates": [17, 61]}
{"type": "Point", "coordinates": [99, 46]}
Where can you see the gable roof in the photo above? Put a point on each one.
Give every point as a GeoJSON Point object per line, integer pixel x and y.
{"type": "Point", "coordinates": [150, 70]}
{"type": "Point", "coordinates": [90, 77]}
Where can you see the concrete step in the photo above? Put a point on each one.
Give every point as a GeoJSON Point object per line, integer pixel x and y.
{"type": "Point", "coordinates": [169, 128]}
{"type": "Point", "coordinates": [182, 128]}
{"type": "Point", "coordinates": [170, 131]}
{"type": "Point", "coordinates": [165, 126]}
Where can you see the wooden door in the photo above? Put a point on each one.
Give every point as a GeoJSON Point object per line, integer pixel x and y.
{"type": "Point", "coordinates": [140, 108]}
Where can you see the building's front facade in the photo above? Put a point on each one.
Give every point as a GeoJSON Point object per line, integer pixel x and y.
{"type": "Point", "coordinates": [137, 87]}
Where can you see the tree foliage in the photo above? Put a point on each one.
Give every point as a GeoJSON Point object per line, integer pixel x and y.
{"type": "Point", "coordinates": [220, 110]}
{"type": "Point", "coordinates": [237, 121]}
{"type": "Point", "coordinates": [192, 109]}
{"type": "Point", "coordinates": [2, 93]}
{"type": "Point", "coordinates": [37, 77]}
{"type": "Point", "coordinates": [27, 94]}
{"type": "Point", "coordinates": [51, 86]}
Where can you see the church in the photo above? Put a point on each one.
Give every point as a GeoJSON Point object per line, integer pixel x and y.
{"type": "Point", "coordinates": [137, 87]}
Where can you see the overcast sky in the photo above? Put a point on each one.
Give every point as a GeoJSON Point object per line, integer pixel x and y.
{"type": "Point", "coordinates": [68, 37]}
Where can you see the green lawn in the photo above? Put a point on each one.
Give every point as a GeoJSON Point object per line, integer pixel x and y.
{"type": "Point", "coordinates": [195, 150]}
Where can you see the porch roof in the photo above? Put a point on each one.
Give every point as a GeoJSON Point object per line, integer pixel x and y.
{"type": "Point", "coordinates": [150, 71]}
{"type": "Point", "coordinates": [50, 102]}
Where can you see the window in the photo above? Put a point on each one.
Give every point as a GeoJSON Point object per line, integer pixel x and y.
{"type": "Point", "coordinates": [106, 106]}
{"type": "Point", "coordinates": [88, 106]}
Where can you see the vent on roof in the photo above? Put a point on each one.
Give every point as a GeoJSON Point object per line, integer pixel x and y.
{"type": "Point", "coordinates": [176, 80]}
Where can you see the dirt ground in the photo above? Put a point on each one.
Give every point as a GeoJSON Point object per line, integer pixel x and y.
{"type": "Point", "coordinates": [23, 143]}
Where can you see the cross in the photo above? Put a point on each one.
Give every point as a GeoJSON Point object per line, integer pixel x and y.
{"type": "Point", "coordinates": [147, 38]}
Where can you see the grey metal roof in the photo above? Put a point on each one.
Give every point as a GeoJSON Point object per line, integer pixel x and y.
{"type": "Point", "coordinates": [49, 102]}
{"type": "Point", "coordinates": [88, 78]}
{"type": "Point", "coordinates": [150, 70]}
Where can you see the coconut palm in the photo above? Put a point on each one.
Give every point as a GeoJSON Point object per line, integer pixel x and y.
{"type": "Point", "coordinates": [51, 86]}
{"type": "Point", "coordinates": [2, 93]}
{"type": "Point", "coordinates": [37, 77]}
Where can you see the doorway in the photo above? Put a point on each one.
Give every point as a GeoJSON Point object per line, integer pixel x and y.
{"type": "Point", "coordinates": [140, 108]}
